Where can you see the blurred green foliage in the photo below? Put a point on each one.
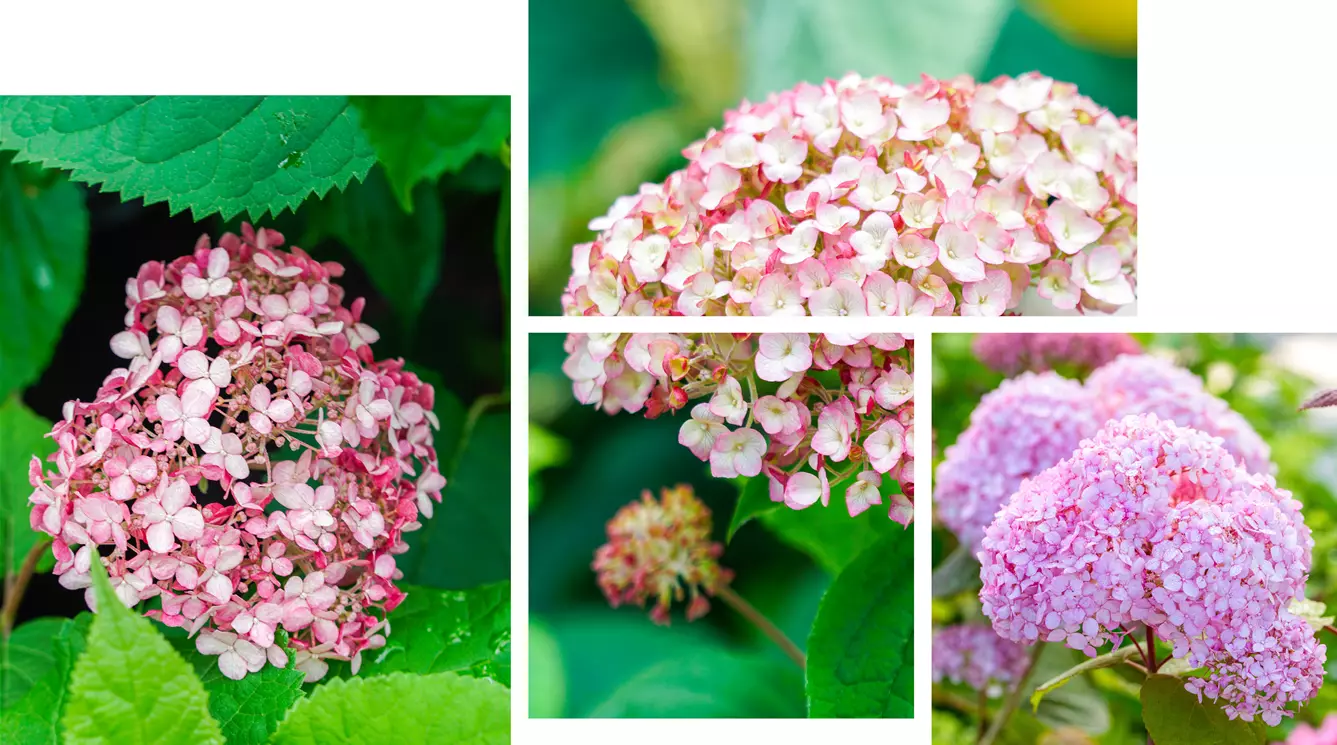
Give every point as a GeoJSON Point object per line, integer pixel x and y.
{"type": "Point", "coordinates": [1258, 376]}
{"type": "Point", "coordinates": [620, 87]}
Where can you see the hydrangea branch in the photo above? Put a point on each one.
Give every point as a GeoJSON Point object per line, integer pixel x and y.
{"type": "Point", "coordinates": [764, 624]}
{"type": "Point", "coordinates": [17, 585]}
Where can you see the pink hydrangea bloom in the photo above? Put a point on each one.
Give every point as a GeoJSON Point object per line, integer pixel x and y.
{"type": "Point", "coordinates": [660, 550]}
{"type": "Point", "coordinates": [862, 196]}
{"type": "Point", "coordinates": [975, 655]}
{"type": "Point", "coordinates": [811, 413]}
{"type": "Point", "coordinates": [1145, 384]}
{"type": "Point", "coordinates": [1149, 523]}
{"type": "Point", "coordinates": [1011, 354]}
{"type": "Point", "coordinates": [1026, 425]}
{"type": "Point", "coordinates": [1325, 734]}
{"type": "Point", "coordinates": [253, 465]}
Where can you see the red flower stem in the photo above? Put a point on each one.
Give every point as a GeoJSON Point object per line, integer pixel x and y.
{"type": "Point", "coordinates": [1151, 649]}
{"type": "Point", "coordinates": [772, 632]}
{"type": "Point", "coordinates": [18, 585]}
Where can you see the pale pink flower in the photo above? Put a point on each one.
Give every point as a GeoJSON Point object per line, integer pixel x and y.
{"type": "Point", "coordinates": [737, 453]}
{"type": "Point", "coordinates": [236, 656]}
{"type": "Point", "coordinates": [780, 356]}
{"type": "Point", "coordinates": [216, 284]}
{"type": "Point", "coordinates": [169, 516]}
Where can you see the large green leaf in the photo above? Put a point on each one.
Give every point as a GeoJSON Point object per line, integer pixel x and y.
{"type": "Point", "coordinates": [792, 41]}
{"type": "Point", "coordinates": [434, 631]}
{"type": "Point", "coordinates": [22, 435]}
{"type": "Point", "coordinates": [861, 652]}
{"type": "Point", "coordinates": [468, 541]}
{"type": "Point", "coordinates": [710, 684]}
{"type": "Point", "coordinates": [43, 239]}
{"type": "Point", "coordinates": [130, 687]}
{"type": "Point", "coordinates": [402, 709]}
{"type": "Point", "coordinates": [827, 533]}
{"type": "Point", "coordinates": [1175, 717]}
{"type": "Point", "coordinates": [225, 154]}
{"type": "Point", "coordinates": [401, 252]}
{"type": "Point", "coordinates": [754, 499]}
{"type": "Point", "coordinates": [418, 138]}
{"type": "Point", "coordinates": [27, 656]}
{"type": "Point", "coordinates": [250, 709]}
{"type": "Point", "coordinates": [34, 718]}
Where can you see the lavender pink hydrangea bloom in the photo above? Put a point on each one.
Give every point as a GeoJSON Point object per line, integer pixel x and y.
{"type": "Point", "coordinates": [975, 655]}
{"type": "Point", "coordinates": [1011, 354]}
{"type": "Point", "coordinates": [1325, 734]}
{"type": "Point", "coordinates": [1026, 425]}
{"type": "Point", "coordinates": [862, 196]}
{"type": "Point", "coordinates": [1149, 523]}
{"type": "Point", "coordinates": [858, 389]}
{"type": "Point", "coordinates": [253, 466]}
{"type": "Point", "coordinates": [1146, 384]}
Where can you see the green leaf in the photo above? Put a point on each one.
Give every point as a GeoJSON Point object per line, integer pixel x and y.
{"type": "Point", "coordinates": [401, 252]}
{"type": "Point", "coordinates": [1110, 659]}
{"type": "Point", "coordinates": [828, 534]}
{"type": "Point", "coordinates": [402, 709]}
{"type": "Point", "coordinates": [432, 631]}
{"type": "Point", "coordinates": [861, 652]}
{"type": "Point", "coordinates": [710, 684]}
{"type": "Point", "coordinates": [792, 41]}
{"type": "Point", "coordinates": [468, 541]}
{"type": "Point", "coordinates": [35, 716]}
{"type": "Point", "coordinates": [225, 154]}
{"type": "Point", "coordinates": [130, 686]}
{"type": "Point", "coordinates": [547, 678]}
{"type": "Point", "coordinates": [1174, 716]}
{"type": "Point", "coordinates": [247, 710]}
{"type": "Point", "coordinates": [418, 138]}
{"type": "Point", "coordinates": [22, 435]}
{"type": "Point", "coordinates": [43, 239]}
{"type": "Point", "coordinates": [27, 656]}
{"type": "Point", "coordinates": [754, 500]}
{"type": "Point", "coordinates": [958, 572]}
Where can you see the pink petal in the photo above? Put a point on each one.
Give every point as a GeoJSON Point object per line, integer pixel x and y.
{"type": "Point", "coordinates": [188, 524]}
{"type": "Point", "coordinates": [160, 537]}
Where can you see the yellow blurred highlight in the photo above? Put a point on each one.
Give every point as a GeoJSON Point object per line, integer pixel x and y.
{"type": "Point", "coordinates": [1105, 25]}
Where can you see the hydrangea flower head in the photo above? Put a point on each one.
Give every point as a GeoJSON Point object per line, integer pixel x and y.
{"type": "Point", "coordinates": [1011, 354]}
{"type": "Point", "coordinates": [1026, 425]}
{"type": "Point", "coordinates": [252, 466]}
{"type": "Point", "coordinates": [1149, 523]}
{"type": "Point", "coordinates": [812, 413]}
{"type": "Point", "coordinates": [975, 655]}
{"type": "Point", "coordinates": [1325, 734]}
{"type": "Point", "coordinates": [660, 550]}
{"type": "Point", "coordinates": [862, 196]}
{"type": "Point", "coordinates": [1147, 384]}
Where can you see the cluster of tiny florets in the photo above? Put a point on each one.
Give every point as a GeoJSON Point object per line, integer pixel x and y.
{"type": "Point", "coordinates": [661, 551]}
{"type": "Point", "coordinates": [770, 388]}
{"type": "Point", "coordinates": [1026, 425]}
{"type": "Point", "coordinates": [253, 467]}
{"type": "Point", "coordinates": [975, 655]}
{"type": "Point", "coordinates": [867, 197]}
{"type": "Point", "coordinates": [1011, 354]}
{"type": "Point", "coordinates": [1149, 523]}
{"type": "Point", "coordinates": [1147, 384]}
{"type": "Point", "coordinates": [1033, 421]}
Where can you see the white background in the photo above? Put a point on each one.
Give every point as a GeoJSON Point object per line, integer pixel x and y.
{"type": "Point", "coordinates": [1238, 210]}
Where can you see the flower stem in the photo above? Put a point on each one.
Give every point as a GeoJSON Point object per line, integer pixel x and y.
{"type": "Point", "coordinates": [983, 713]}
{"type": "Point", "coordinates": [772, 632]}
{"type": "Point", "coordinates": [1331, 628]}
{"type": "Point", "coordinates": [1013, 699]}
{"type": "Point", "coordinates": [1151, 649]}
{"type": "Point", "coordinates": [14, 589]}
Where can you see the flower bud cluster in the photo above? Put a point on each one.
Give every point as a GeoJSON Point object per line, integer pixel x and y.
{"type": "Point", "coordinates": [661, 551]}
{"type": "Point", "coordinates": [814, 414]}
{"type": "Point", "coordinates": [862, 196]}
{"type": "Point", "coordinates": [252, 467]}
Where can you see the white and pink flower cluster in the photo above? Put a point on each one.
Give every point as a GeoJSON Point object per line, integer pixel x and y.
{"type": "Point", "coordinates": [1035, 420]}
{"type": "Point", "coordinates": [1149, 523]}
{"type": "Point", "coordinates": [862, 196]}
{"type": "Point", "coordinates": [973, 654]}
{"type": "Point", "coordinates": [812, 413]}
{"type": "Point", "coordinates": [252, 467]}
